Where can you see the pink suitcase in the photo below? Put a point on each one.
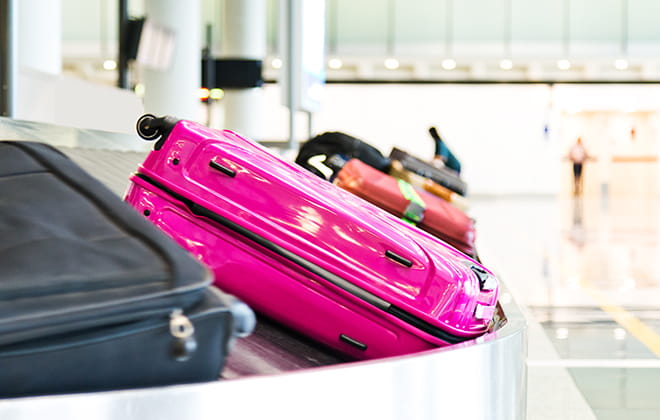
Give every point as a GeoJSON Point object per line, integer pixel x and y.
{"type": "Point", "coordinates": [305, 252]}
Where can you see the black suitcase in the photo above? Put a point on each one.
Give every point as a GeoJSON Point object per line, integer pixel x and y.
{"type": "Point", "coordinates": [93, 296]}
{"type": "Point", "coordinates": [444, 177]}
{"type": "Point", "coordinates": [325, 154]}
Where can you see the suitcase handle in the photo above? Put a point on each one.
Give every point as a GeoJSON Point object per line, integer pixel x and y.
{"type": "Point", "coordinates": [222, 168]}
{"type": "Point", "coordinates": [398, 258]}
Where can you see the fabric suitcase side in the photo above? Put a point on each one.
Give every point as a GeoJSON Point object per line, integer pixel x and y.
{"type": "Point", "coordinates": [86, 272]}
{"type": "Point", "coordinates": [442, 176]}
{"type": "Point", "coordinates": [432, 214]}
{"type": "Point", "coordinates": [139, 354]}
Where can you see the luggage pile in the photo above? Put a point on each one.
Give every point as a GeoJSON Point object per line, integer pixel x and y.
{"type": "Point", "coordinates": [306, 253]}
{"type": "Point", "coordinates": [429, 212]}
{"type": "Point", "coordinates": [430, 196]}
{"type": "Point", "coordinates": [94, 286]}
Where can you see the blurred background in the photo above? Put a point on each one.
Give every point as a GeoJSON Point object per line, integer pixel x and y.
{"type": "Point", "coordinates": [510, 85]}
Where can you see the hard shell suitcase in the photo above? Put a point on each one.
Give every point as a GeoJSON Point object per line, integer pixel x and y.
{"type": "Point", "coordinates": [316, 154]}
{"type": "Point", "coordinates": [95, 298]}
{"type": "Point", "coordinates": [418, 207]}
{"type": "Point", "coordinates": [442, 176]}
{"type": "Point", "coordinates": [303, 251]}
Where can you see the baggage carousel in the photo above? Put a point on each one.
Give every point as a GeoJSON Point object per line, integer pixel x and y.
{"type": "Point", "coordinates": [275, 373]}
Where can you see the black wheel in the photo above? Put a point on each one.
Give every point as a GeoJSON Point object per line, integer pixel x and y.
{"type": "Point", "coordinates": [145, 127]}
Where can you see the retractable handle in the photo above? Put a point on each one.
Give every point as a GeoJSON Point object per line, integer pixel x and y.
{"type": "Point", "coordinates": [151, 128]}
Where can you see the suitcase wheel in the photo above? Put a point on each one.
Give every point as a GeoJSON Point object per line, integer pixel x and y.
{"type": "Point", "coordinates": [146, 128]}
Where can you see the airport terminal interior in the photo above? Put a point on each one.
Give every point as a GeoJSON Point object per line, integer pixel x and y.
{"type": "Point", "coordinates": [511, 87]}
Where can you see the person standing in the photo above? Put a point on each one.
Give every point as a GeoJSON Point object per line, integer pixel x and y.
{"type": "Point", "coordinates": [578, 155]}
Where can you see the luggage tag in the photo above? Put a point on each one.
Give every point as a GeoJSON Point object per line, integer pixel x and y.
{"type": "Point", "coordinates": [414, 213]}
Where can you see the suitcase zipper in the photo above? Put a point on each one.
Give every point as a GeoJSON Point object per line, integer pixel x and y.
{"type": "Point", "coordinates": [93, 316]}
{"type": "Point", "coordinates": [183, 331]}
{"type": "Point", "coordinates": [83, 322]}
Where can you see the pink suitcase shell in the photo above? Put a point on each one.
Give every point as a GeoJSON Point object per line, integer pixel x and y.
{"type": "Point", "coordinates": [305, 252]}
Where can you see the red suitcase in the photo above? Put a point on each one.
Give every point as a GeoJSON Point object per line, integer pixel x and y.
{"type": "Point", "coordinates": [427, 211]}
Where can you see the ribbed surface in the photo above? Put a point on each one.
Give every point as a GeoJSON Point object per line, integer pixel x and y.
{"type": "Point", "coordinates": [109, 166]}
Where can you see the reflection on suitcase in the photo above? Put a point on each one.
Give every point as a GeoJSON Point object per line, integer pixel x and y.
{"type": "Point", "coordinates": [425, 210]}
{"type": "Point", "coordinates": [93, 297]}
{"type": "Point", "coordinates": [305, 252]}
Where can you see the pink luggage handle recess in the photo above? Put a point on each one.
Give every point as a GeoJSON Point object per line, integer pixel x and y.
{"type": "Point", "coordinates": [152, 128]}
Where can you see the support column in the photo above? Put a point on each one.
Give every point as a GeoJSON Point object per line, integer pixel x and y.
{"type": "Point", "coordinates": [8, 62]}
{"type": "Point", "coordinates": [244, 37]}
{"type": "Point", "coordinates": [40, 35]}
{"type": "Point", "coordinates": [173, 91]}
{"type": "Point", "coordinates": [122, 54]}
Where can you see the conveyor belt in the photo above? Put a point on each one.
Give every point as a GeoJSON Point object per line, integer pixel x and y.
{"type": "Point", "coordinates": [271, 348]}
{"type": "Point", "coordinates": [430, 385]}
{"type": "Point", "coordinates": [274, 349]}
{"type": "Point", "coordinates": [108, 166]}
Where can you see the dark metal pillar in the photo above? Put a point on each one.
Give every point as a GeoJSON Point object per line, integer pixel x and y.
{"type": "Point", "coordinates": [8, 51]}
{"type": "Point", "coordinates": [122, 59]}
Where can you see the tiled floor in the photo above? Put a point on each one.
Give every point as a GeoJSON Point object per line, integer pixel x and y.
{"type": "Point", "coordinates": [586, 271]}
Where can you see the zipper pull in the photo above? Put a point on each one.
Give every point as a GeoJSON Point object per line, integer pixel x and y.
{"type": "Point", "coordinates": [184, 344]}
